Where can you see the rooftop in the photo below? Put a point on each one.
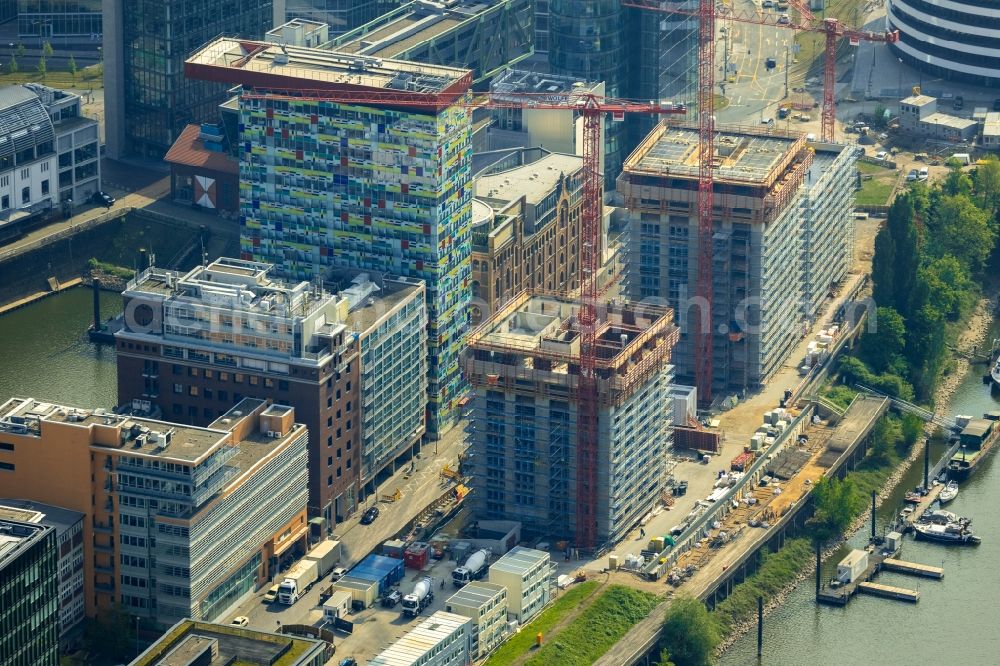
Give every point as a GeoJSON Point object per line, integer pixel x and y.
{"type": "Point", "coordinates": [917, 100]}
{"type": "Point", "coordinates": [138, 436]}
{"type": "Point", "coordinates": [369, 301]}
{"type": "Point", "coordinates": [949, 121]}
{"type": "Point", "coordinates": [236, 284]}
{"type": "Point", "coordinates": [24, 122]}
{"type": "Point", "coordinates": [516, 81]}
{"type": "Point", "coordinates": [15, 537]}
{"type": "Point", "coordinates": [533, 181]}
{"type": "Point", "coordinates": [744, 155]}
{"type": "Point", "coordinates": [420, 640]}
{"type": "Point", "coordinates": [519, 560]}
{"type": "Point", "coordinates": [189, 150]}
{"type": "Point", "coordinates": [188, 638]}
{"type": "Point", "coordinates": [476, 594]}
{"type": "Point", "coordinates": [36, 512]}
{"type": "Point", "coordinates": [991, 124]}
{"type": "Point", "coordinates": [265, 65]}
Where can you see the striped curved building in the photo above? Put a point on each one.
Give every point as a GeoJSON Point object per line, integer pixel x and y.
{"type": "Point", "coordinates": [955, 39]}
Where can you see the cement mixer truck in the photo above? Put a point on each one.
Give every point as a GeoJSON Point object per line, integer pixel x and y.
{"type": "Point", "coordinates": [474, 568]}
{"type": "Point", "coordinates": [416, 601]}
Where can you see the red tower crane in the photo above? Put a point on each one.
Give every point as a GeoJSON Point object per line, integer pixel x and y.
{"type": "Point", "coordinates": [593, 109]}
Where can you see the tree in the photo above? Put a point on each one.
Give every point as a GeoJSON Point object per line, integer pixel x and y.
{"type": "Point", "coordinates": [689, 633]}
{"type": "Point", "coordinates": [42, 68]}
{"type": "Point", "coordinates": [925, 348]}
{"type": "Point", "coordinates": [19, 50]}
{"type": "Point", "coordinates": [884, 343]}
{"type": "Point", "coordinates": [961, 230]}
{"type": "Point", "coordinates": [664, 658]}
{"type": "Point", "coordinates": [886, 437]}
{"type": "Point", "coordinates": [949, 285]}
{"type": "Point", "coordinates": [71, 65]}
{"type": "Point", "coordinates": [987, 184]}
{"type": "Point", "coordinates": [957, 181]}
{"type": "Point", "coordinates": [47, 50]}
{"type": "Point", "coordinates": [112, 635]}
{"type": "Point", "coordinates": [835, 503]}
{"type": "Point", "coordinates": [13, 65]}
{"type": "Point", "coordinates": [894, 266]}
{"type": "Point", "coordinates": [883, 268]}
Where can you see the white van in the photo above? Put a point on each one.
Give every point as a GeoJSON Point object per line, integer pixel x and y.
{"type": "Point", "coordinates": [922, 174]}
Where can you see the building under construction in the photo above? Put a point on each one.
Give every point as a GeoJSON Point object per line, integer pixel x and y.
{"type": "Point", "coordinates": [525, 364]}
{"type": "Point", "coordinates": [783, 237]}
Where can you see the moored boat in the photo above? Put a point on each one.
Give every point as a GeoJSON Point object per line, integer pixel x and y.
{"type": "Point", "coordinates": [977, 439]}
{"type": "Point", "coordinates": [950, 533]}
{"type": "Point", "coordinates": [949, 493]}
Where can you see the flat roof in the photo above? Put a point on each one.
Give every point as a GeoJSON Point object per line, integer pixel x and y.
{"type": "Point", "coordinates": [46, 514]}
{"type": "Point", "coordinates": [476, 594]}
{"type": "Point", "coordinates": [518, 81]}
{"type": "Point", "coordinates": [948, 121]}
{"type": "Point", "coordinates": [412, 24]}
{"type": "Point", "coordinates": [235, 644]}
{"type": "Point", "coordinates": [266, 65]}
{"type": "Point", "coordinates": [741, 155]}
{"type": "Point", "coordinates": [917, 100]}
{"type": "Point", "coordinates": [534, 181]}
{"type": "Point", "coordinates": [369, 301]}
{"type": "Point", "coordinates": [15, 536]}
{"type": "Point", "coordinates": [420, 640]}
{"type": "Point", "coordinates": [519, 560]}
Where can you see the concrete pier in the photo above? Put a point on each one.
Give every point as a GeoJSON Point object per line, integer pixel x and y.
{"type": "Point", "coordinates": [913, 568]}
{"type": "Point", "coordinates": [889, 592]}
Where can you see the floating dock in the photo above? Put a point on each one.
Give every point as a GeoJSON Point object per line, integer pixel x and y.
{"type": "Point", "coordinates": [921, 507]}
{"type": "Point", "coordinates": [889, 592]}
{"type": "Point", "coordinates": [912, 568]}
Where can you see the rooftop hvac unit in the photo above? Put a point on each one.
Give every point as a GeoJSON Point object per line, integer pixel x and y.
{"type": "Point", "coordinates": [270, 433]}
{"type": "Point", "coordinates": [277, 434]}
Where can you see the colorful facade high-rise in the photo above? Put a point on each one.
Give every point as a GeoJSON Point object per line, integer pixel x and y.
{"type": "Point", "coordinates": [363, 185]}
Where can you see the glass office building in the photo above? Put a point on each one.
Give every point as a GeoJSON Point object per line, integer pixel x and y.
{"type": "Point", "coordinates": [29, 593]}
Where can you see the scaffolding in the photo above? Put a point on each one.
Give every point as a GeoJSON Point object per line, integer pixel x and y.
{"type": "Point", "coordinates": [532, 346]}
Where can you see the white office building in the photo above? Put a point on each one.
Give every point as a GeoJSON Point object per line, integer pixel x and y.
{"type": "Point", "coordinates": [528, 576]}
{"type": "Point", "coordinates": [443, 639]}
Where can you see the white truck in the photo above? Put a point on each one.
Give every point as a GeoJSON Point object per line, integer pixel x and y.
{"type": "Point", "coordinates": [474, 568]}
{"type": "Point", "coordinates": [416, 601]}
{"type": "Point", "coordinates": [299, 579]}
{"type": "Point", "coordinates": [325, 555]}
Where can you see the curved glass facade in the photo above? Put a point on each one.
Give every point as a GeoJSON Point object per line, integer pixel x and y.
{"type": "Point", "coordinates": [956, 40]}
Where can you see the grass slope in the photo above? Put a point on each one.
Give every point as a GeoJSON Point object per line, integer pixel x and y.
{"type": "Point", "coordinates": [596, 629]}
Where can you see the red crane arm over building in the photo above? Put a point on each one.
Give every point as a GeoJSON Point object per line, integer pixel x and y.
{"type": "Point", "coordinates": [831, 28]}
{"type": "Point", "coordinates": [593, 108]}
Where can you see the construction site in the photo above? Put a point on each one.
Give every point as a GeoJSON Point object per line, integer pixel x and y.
{"type": "Point", "coordinates": [525, 363]}
{"type": "Point", "coordinates": [778, 248]}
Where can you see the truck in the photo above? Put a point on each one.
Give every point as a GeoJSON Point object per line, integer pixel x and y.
{"type": "Point", "coordinates": [299, 579]}
{"type": "Point", "coordinates": [474, 568]}
{"type": "Point", "coordinates": [416, 601]}
{"type": "Point", "coordinates": [325, 555]}
{"type": "Point", "coordinates": [742, 461]}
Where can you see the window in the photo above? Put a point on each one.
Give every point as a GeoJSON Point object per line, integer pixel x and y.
{"type": "Point", "coordinates": [223, 396]}
{"type": "Point", "coordinates": [45, 184]}
{"type": "Point", "coordinates": [193, 390]}
{"type": "Point", "coordinates": [329, 479]}
{"type": "Point", "coordinates": [178, 388]}
{"type": "Point", "coordinates": [9, 467]}
{"type": "Point", "coordinates": [45, 167]}
{"type": "Point", "coordinates": [254, 380]}
{"type": "Point", "coordinates": [25, 195]}
{"type": "Point", "coordinates": [25, 174]}
{"type": "Point", "coordinates": [4, 446]}
{"type": "Point", "coordinates": [208, 394]}
{"type": "Point", "coordinates": [282, 385]}
{"type": "Point", "coordinates": [329, 461]}
{"type": "Point", "coordinates": [5, 202]}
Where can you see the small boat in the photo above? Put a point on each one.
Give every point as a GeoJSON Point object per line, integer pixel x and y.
{"type": "Point", "coordinates": [906, 513]}
{"type": "Point", "coordinates": [913, 497]}
{"type": "Point", "coordinates": [949, 493]}
{"type": "Point", "coordinates": [952, 533]}
{"type": "Point", "coordinates": [977, 439]}
{"type": "Point", "coordinates": [942, 517]}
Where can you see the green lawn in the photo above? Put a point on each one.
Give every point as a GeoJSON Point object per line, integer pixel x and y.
{"type": "Point", "coordinates": [599, 627]}
{"type": "Point", "coordinates": [89, 77]}
{"type": "Point", "coordinates": [523, 641]}
{"type": "Point", "coordinates": [876, 190]}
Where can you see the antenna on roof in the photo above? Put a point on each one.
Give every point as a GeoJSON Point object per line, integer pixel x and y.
{"type": "Point", "coordinates": [204, 254]}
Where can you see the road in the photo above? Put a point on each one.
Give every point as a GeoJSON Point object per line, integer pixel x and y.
{"type": "Point", "coordinates": [754, 91]}
{"type": "Point", "coordinates": [419, 489]}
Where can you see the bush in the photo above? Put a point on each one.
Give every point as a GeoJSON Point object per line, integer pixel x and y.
{"type": "Point", "coordinates": [689, 635]}
{"type": "Point", "coordinates": [111, 269]}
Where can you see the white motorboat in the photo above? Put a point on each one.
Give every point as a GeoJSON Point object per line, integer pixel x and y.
{"type": "Point", "coordinates": [949, 493]}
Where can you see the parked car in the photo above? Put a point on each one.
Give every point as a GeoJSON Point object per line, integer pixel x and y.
{"type": "Point", "coordinates": [338, 573]}
{"type": "Point", "coordinates": [912, 176]}
{"type": "Point", "coordinates": [369, 516]}
{"type": "Point", "coordinates": [390, 600]}
{"type": "Point", "coordinates": [922, 175]}
{"type": "Point", "coordinates": [103, 199]}
{"type": "Point", "coordinates": [881, 155]}
{"type": "Point", "coordinates": [767, 4]}
{"type": "Point", "coordinates": [240, 621]}
{"type": "Point", "coordinates": [271, 594]}
{"type": "Point", "coordinates": [959, 102]}
{"type": "Point", "coordinates": [783, 19]}
{"type": "Point", "coordinates": [348, 661]}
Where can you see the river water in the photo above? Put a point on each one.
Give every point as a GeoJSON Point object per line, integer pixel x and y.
{"type": "Point", "coordinates": [953, 623]}
{"type": "Point", "coordinates": [45, 352]}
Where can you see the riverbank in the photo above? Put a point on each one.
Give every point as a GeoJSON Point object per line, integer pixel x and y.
{"type": "Point", "coordinates": [972, 335]}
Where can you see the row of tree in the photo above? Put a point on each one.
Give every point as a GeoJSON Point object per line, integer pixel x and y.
{"type": "Point", "coordinates": [929, 256]}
